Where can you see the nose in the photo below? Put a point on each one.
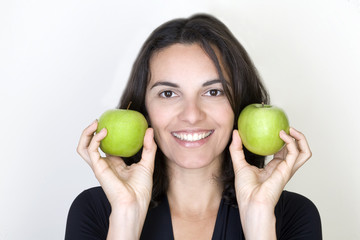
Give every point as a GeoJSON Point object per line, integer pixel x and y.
{"type": "Point", "coordinates": [192, 111]}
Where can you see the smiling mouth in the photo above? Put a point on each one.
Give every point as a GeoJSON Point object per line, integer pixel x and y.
{"type": "Point", "coordinates": [192, 137]}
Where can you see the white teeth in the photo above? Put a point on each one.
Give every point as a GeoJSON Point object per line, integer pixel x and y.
{"type": "Point", "coordinates": [192, 137]}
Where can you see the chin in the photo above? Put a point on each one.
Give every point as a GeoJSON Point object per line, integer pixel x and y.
{"type": "Point", "coordinates": [195, 162]}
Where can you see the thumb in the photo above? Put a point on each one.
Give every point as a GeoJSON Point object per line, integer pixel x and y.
{"type": "Point", "coordinates": [149, 150]}
{"type": "Point", "coordinates": [237, 152]}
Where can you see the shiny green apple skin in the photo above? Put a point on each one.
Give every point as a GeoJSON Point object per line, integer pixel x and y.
{"type": "Point", "coordinates": [259, 127]}
{"type": "Point", "coordinates": [125, 132]}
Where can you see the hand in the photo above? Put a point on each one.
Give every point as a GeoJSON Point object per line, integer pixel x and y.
{"type": "Point", "coordinates": [260, 189]}
{"type": "Point", "coordinates": [124, 186]}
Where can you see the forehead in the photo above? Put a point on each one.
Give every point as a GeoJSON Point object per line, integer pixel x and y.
{"type": "Point", "coordinates": [179, 56]}
{"type": "Point", "coordinates": [182, 59]}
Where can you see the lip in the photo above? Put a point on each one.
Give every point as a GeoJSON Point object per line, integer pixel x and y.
{"type": "Point", "coordinates": [192, 138]}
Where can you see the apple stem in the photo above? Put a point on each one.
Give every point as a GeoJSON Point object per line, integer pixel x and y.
{"type": "Point", "coordinates": [262, 103]}
{"type": "Point", "coordinates": [129, 105]}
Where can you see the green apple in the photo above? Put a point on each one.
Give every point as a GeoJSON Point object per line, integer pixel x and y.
{"type": "Point", "coordinates": [125, 132]}
{"type": "Point", "coordinates": [259, 127]}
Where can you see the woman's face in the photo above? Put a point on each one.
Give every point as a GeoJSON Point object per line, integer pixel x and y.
{"type": "Point", "coordinates": [191, 116]}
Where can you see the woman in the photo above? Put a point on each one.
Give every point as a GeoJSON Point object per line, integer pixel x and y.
{"type": "Point", "coordinates": [193, 179]}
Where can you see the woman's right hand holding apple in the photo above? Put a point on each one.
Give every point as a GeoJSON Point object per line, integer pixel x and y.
{"type": "Point", "coordinates": [128, 188]}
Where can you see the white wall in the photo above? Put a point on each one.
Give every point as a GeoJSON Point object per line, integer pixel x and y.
{"type": "Point", "coordinates": [62, 63]}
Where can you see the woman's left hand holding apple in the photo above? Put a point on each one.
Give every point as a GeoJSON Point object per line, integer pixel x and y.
{"type": "Point", "coordinates": [258, 190]}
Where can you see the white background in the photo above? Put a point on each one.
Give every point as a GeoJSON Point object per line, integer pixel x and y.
{"type": "Point", "coordinates": [62, 63]}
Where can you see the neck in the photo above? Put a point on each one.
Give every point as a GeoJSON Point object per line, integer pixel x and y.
{"type": "Point", "coordinates": [194, 192]}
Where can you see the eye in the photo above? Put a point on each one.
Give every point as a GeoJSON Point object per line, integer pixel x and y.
{"type": "Point", "coordinates": [167, 94]}
{"type": "Point", "coordinates": [214, 93]}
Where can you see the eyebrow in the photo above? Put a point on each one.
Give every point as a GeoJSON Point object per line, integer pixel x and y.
{"type": "Point", "coordinates": [174, 85]}
{"type": "Point", "coordinates": [211, 82]}
{"type": "Point", "coordinates": [164, 83]}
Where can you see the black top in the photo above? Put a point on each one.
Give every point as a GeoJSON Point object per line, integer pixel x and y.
{"type": "Point", "coordinates": [296, 218]}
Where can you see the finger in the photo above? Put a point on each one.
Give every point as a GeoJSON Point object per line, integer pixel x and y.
{"type": "Point", "coordinates": [116, 164]}
{"type": "Point", "coordinates": [282, 153]}
{"type": "Point", "coordinates": [302, 142]}
{"type": "Point", "coordinates": [93, 149]}
{"type": "Point", "coordinates": [101, 166]}
{"type": "Point", "coordinates": [284, 165]}
{"type": "Point", "coordinates": [85, 139]}
{"type": "Point", "coordinates": [149, 150]}
{"type": "Point", "coordinates": [303, 146]}
{"type": "Point", "coordinates": [237, 152]}
{"type": "Point", "coordinates": [116, 161]}
{"type": "Point", "coordinates": [291, 147]}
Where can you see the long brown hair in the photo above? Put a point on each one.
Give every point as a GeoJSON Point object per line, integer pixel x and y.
{"type": "Point", "coordinates": [245, 88]}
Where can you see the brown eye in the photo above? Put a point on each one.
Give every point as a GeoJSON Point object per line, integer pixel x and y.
{"type": "Point", "coordinates": [213, 93]}
{"type": "Point", "coordinates": [167, 94]}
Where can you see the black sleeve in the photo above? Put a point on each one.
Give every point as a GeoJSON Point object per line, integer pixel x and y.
{"type": "Point", "coordinates": [88, 216]}
{"type": "Point", "coordinates": [297, 218]}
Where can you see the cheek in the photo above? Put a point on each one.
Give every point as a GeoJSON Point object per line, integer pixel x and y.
{"type": "Point", "coordinates": [157, 117]}
{"type": "Point", "coordinates": [231, 117]}
{"type": "Point", "coordinates": [223, 114]}
{"type": "Point", "coordinates": [226, 121]}
{"type": "Point", "coordinates": [159, 121]}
